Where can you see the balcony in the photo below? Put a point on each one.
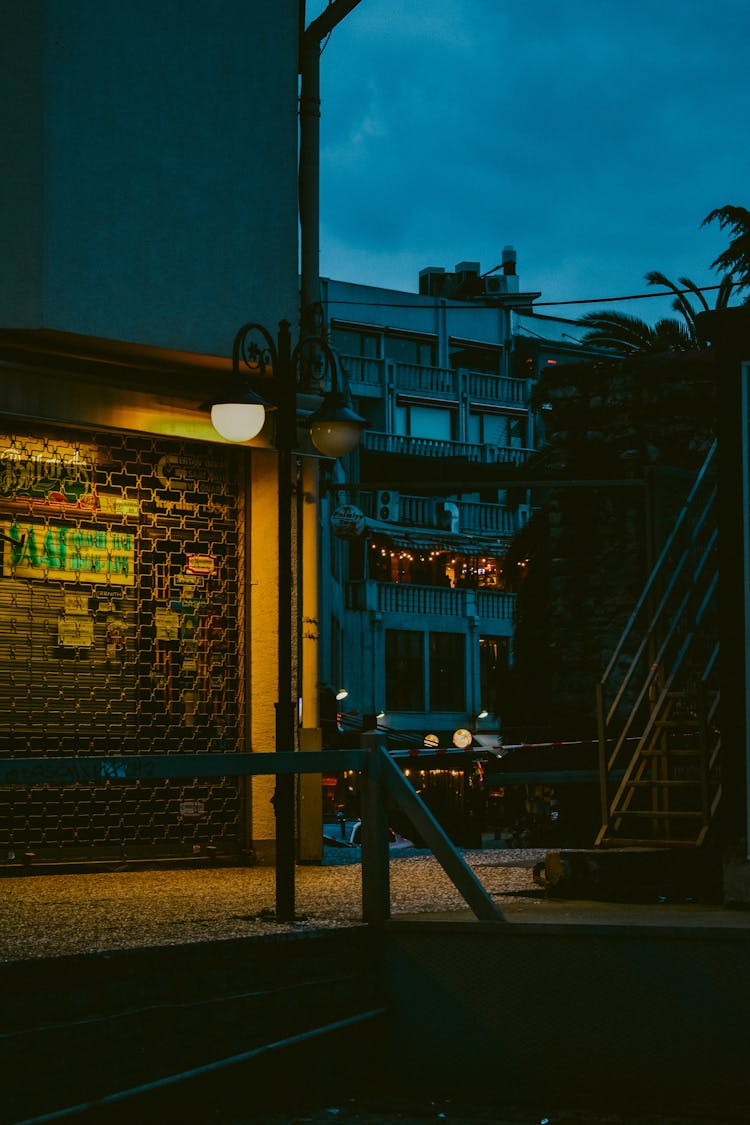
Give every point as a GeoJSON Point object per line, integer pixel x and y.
{"type": "Point", "coordinates": [402, 599]}
{"type": "Point", "coordinates": [372, 377]}
{"type": "Point", "coordinates": [427, 512]}
{"type": "Point", "coordinates": [404, 446]}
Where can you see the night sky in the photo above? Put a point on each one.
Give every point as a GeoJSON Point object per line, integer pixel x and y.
{"type": "Point", "coordinates": [594, 136]}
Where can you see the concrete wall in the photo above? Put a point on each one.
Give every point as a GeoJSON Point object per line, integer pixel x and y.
{"type": "Point", "coordinates": [152, 190]}
{"type": "Point", "coordinates": [650, 1018]}
{"type": "Point", "coordinates": [97, 1023]}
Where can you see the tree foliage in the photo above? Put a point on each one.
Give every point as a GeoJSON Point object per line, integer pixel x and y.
{"type": "Point", "coordinates": [628, 335]}
{"type": "Point", "coordinates": [735, 260]}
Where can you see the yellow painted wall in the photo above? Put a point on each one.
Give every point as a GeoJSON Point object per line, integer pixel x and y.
{"type": "Point", "coordinates": [262, 654]}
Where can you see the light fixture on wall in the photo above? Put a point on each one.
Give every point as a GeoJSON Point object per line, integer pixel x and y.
{"type": "Point", "coordinates": [342, 693]}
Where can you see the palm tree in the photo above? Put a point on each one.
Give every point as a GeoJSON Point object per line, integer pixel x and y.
{"type": "Point", "coordinates": [681, 303]}
{"type": "Point", "coordinates": [736, 258]}
{"type": "Point", "coordinates": [628, 334]}
{"type": "Point", "coordinates": [625, 334]}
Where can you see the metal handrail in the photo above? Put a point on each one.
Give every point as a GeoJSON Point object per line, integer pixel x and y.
{"type": "Point", "coordinates": [661, 560]}
{"type": "Point", "coordinates": [674, 620]}
{"type": "Point", "coordinates": [383, 779]}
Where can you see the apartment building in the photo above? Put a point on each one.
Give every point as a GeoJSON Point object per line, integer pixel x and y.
{"type": "Point", "coordinates": [418, 625]}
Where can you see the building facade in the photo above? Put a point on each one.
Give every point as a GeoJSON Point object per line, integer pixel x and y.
{"type": "Point", "coordinates": [149, 211]}
{"type": "Point", "coordinates": [419, 611]}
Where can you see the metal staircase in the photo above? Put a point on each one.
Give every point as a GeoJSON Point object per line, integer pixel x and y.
{"type": "Point", "coordinates": [657, 702]}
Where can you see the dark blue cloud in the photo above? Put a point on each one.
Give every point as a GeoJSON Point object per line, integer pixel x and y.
{"type": "Point", "coordinates": [594, 136]}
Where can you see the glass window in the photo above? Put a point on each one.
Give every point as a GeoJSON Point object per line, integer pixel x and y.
{"type": "Point", "coordinates": [517, 433]}
{"type": "Point", "coordinates": [429, 422]}
{"type": "Point", "coordinates": [493, 665]}
{"type": "Point", "coordinates": [350, 341]}
{"type": "Point", "coordinates": [496, 429]}
{"type": "Point", "coordinates": [404, 670]}
{"type": "Point", "coordinates": [475, 357]}
{"type": "Point", "coordinates": [411, 349]}
{"type": "Point", "coordinates": [447, 672]}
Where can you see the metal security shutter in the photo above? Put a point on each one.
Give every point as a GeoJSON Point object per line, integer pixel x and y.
{"type": "Point", "coordinates": [121, 625]}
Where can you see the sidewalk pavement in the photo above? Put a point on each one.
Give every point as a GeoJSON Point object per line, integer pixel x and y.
{"type": "Point", "coordinates": [59, 915]}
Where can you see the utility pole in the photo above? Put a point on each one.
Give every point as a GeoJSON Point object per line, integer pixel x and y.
{"type": "Point", "coordinates": [311, 326]}
{"type": "Point", "coordinates": [309, 160]}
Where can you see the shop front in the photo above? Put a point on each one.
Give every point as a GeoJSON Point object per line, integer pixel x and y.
{"type": "Point", "coordinates": [122, 625]}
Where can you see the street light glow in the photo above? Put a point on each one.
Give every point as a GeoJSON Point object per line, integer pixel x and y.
{"type": "Point", "coordinates": [238, 421]}
{"type": "Point", "coordinates": [335, 438]}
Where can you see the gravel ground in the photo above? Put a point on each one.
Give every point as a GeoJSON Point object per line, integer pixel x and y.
{"type": "Point", "coordinates": [54, 915]}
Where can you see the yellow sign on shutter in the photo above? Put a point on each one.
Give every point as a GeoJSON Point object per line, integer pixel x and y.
{"type": "Point", "coordinates": [68, 553]}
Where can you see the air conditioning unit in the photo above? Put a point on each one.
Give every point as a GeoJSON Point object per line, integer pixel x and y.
{"type": "Point", "coordinates": [386, 506]}
{"type": "Point", "coordinates": [495, 284]}
{"type": "Point", "coordinates": [500, 284]}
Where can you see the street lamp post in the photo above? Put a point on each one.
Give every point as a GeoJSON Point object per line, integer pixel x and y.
{"type": "Point", "coordinates": [335, 430]}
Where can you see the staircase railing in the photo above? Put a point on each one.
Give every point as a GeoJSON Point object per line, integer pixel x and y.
{"type": "Point", "coordinates": [657, 700]}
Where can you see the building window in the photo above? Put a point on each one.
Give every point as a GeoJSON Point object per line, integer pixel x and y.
{"type": "Point", "coordinates": [447, 672]}
{"type": "Point", "coordinates": [404, 670]}
{"type": "Point", "coordinates": [490, 428]}
{"type": "Point", "coordinates": [493, 666]}
{"type": "Point", "coordinates": [352, 341]}
{"type": "Point", "coordinates": [411, 349]}
{"type": "Point", "coordinates": [414, 420]}
{"type": "Point", "coordinates": [475, 357]}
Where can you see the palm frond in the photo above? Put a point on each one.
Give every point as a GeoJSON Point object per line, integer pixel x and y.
{"type": "Point", "coordinates": [626, 334]}
{"type": "Point", "coordinates": [680, 303]}
{"type": "Point", "coordinates": [736, 257]}
{"type": "Point", "coordinates": [686, 283]}
{"type": "Point", "coordinates": [725, 291]}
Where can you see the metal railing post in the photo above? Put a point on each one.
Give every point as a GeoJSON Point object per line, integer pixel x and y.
{"type": "Point", "coordinates": [446, 853]}
{"type": "Point", "coordinates": [376, 890]}
{"type": "Point", "coordinates": [602, 741]}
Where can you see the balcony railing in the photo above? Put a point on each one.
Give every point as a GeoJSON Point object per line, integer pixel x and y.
{"type": "Point", "coordinates": [406, 446]}
{"type": "Point", "coordinates": [426, 380]}
{"type": "Point", "coordinates": [359, 369]}
{"type": "Point", "coordinates": [365, 373]}
{"type": "Point", "coordinates": [474, 518]}
{"type": "Point", "coordinates": [401, 598]}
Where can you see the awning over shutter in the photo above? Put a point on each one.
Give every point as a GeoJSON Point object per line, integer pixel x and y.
{"type": "Point", "coordinates": [427, 539]}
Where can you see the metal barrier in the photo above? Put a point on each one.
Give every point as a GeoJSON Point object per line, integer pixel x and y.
{"type": "Point", "coordinates": [383, 780]}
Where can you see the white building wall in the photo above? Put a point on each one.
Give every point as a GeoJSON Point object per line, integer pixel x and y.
{"type": "Point", "coordinates": [413, 312]}
{"type": "Point", "coordinates": [152, 193]}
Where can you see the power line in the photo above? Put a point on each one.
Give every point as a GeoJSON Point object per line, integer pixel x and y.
{"type": "Point", "coordinates": [538, 304]}
{"type": "Point", "coordinates": [636, 296]}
